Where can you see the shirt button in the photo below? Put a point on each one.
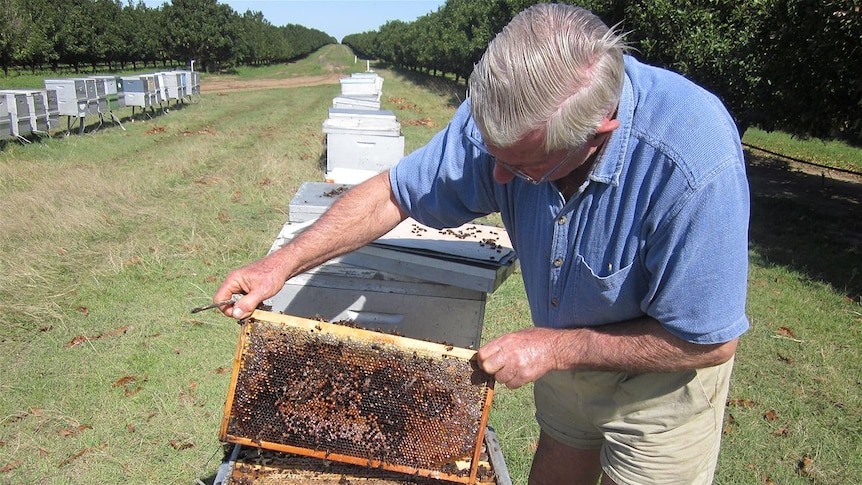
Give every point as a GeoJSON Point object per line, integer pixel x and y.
{"type": "Point", "coordinates": [554, 302]}
{"type": "Point", "coordinates": [558, 262]}
{"type": "Point", "coordinates": [562, 220]}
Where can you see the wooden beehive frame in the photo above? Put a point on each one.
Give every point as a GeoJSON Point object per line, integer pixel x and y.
{"type": "Point", "coordinates": [417, 347]}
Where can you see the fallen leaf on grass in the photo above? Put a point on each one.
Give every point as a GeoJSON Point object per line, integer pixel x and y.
{"type": "Point", "coordinates": [181, 445]}
{"type": "Point", "coordinates": [73, 431]}
{"type": "Point", "coordinates": [83, 338]}
{"type": "Point", "coordinates": [221, 370]}
{"type": "Point", "coordinates": [780, 432]}
{"type": "Point", "coordinates": [785, 331]}
{"type": "Point", "coordinates": [76, 341]}
{"type": "Point", "coordinates": [78, 454]}
{"type": "Point", "coordinates": [11, 466]}
{"type": "Point", "coordinates": [155, 130]}
{"type": "Point", "coordinates": [83, 311]}
{"type": "Point", "coordinates": [130, 384]}
{"type": "Point", "coordinates": [770, 415]}
{"type": "Point", "coordinates": [130, 428]}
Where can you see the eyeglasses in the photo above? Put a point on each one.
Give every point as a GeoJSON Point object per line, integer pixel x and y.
{"type": "Point", "coordinates": [524, 176]}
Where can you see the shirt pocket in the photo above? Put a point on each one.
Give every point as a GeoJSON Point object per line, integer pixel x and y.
{"type": "Point", "coordinates": [597, 298]}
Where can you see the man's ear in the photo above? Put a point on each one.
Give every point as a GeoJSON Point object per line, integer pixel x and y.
{"type": "Point", "coordinates": [608, 126]}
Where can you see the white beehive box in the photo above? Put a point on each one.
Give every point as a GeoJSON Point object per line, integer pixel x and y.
{"type": "Point", "coordinates": [19, 112]}
{"type": "Point", "coordinates": [52, 106]}
{"type": "Point", "coordinates": [373, 76]}
{"type": "Point", "coordinates": [416, 281]}
{"type": "Point", "coordinates": [351, 86]}
{"type": "Point", "coordinates": [37, 111]}
{"type": "Point", "coordinates": [138, 91]}
{"type": "Point", "coordinates": [363, 116]}
{"type": "Point", "coordinates": [101, 96]}
{"type": "Point", "coordinates": [108, 91]}
{"type": "Point", "coordinates": [176, 85]}
{"type": "Point", "coordinates": [71, 94]}
{"type": "Point", "coordinates": [194, 83]}
{"type": "Point", "coordinates": [356, 102]}
{"type": "Point", "coordinates": [5, 121]}
{"type": "Point", "coordinates": [160, 92]}
{"type": "Point", "coordinates": [93, 100]}
{"type": "Point", "coordinates": [424, 294]}
{"type": "Point", "coordinates": [360, 144]}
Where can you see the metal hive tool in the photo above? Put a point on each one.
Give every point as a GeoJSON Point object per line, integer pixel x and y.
{"type": "Point", "coordinates": [355, 396]}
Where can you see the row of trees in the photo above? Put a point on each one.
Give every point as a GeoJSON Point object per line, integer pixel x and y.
{"type": "Point", "coordinates": [791, 65]}
{"type": "Point", "coordinates": [47, 33]}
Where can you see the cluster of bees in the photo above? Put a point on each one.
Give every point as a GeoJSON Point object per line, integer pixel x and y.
{"type": "Point", "coordinates": [316, 391]}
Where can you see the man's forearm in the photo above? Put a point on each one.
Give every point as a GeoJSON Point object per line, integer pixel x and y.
{"type": "Point", "coordinates": [361, 215]}
{"type": "Point", "coordinates": [636, 346]}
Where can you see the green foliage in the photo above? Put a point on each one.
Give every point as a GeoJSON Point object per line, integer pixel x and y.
{"type": "Point", "coordinates": [789, 65]}
{"type": "Point", "coordinates": [79, 33]}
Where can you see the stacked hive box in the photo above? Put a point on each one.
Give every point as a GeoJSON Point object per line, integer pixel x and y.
{"type": "Point", "coordinates": [18, 110]}
{"type": "Point", "coordinates": [5, 120]}
{"type": "Point", "coordinates": [108, 90]}
{"type": "Point", "coordinates": [361, 140]}
{"type": "Point", "coordinates": [139, 91]}
{"type": "Point", "coordinates": [76, 97]}
{"type": "Point", "coordinates": [416, 281]}
{"type": "Point", "coordinates": [36, 110]}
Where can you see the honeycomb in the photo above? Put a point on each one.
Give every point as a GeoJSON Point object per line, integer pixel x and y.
{"type": "Point", "coordinates": [356, 396]}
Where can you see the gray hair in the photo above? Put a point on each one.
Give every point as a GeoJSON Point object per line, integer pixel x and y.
{"type": "Point", "coordinates": [554, 67]}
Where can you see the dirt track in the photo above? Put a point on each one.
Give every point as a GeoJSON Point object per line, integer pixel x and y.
{"type": "Point", "coordinates": [221, 85]}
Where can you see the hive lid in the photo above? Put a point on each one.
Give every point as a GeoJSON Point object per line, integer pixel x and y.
{"type": "Point", "coordinates": [457, 257]}
{"type": "Point", "coordinates": [374, 126]}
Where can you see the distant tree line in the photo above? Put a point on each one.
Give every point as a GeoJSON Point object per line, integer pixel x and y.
{"type": "Point", "coordinates": [790, 65]}
{"type": "Point", "coordinates": [40, 34]}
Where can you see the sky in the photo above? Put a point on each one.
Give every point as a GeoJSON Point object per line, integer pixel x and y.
{"type": "Point", "coordinates": [334, 17]}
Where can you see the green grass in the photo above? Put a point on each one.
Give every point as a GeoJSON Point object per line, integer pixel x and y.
{"type": "Point", "coordinates": [114, 235]}
{"type": "Point", "coordinates": [834, 154]}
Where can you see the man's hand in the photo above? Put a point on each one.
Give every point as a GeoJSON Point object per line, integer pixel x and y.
{"type": "Point", "coordinates": [256, 282]}
{"type": "Point", "coordinates": [521, 357]}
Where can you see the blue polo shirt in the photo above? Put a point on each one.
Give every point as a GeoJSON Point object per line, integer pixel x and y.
{"type": "Point", "coordinates": [660, 228]}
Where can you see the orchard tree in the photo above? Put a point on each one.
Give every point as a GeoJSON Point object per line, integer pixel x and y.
{"type": "Point", "coordinates": [203, 30]}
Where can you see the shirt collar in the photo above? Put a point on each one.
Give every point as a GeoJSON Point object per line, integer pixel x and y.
{"type": "Point", "coordinates": [610, 164]}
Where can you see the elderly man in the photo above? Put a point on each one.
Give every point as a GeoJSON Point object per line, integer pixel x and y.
{"type": "Point", "coordinates": [623, 190]}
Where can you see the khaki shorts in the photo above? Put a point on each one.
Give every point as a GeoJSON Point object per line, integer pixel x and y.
{"type": "Point", "coordinates": [662, 428]}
